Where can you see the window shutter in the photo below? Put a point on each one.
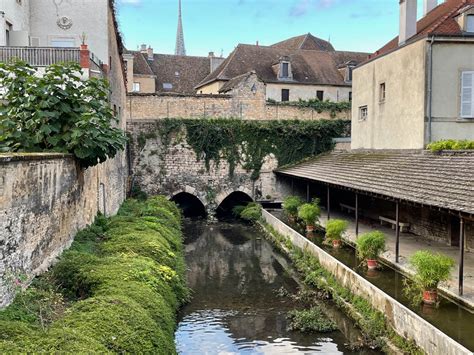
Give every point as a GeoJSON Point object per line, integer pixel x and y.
{"type": "Point", "coordinates": [467, 94]}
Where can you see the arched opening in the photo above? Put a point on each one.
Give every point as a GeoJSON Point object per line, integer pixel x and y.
{"type": "Point", "coordinates": [190, 205]}
{"type": "Point", "coordinates": [236, 198]}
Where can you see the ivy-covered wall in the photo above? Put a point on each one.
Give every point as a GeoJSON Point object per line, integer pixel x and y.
{"type": "Point", "coordinates": [211, 158]}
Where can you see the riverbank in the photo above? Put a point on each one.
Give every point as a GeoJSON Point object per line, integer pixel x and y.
{"type": "Point", "coordinates": [117, 289]}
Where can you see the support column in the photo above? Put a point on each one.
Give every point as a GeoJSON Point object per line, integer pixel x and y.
{"type": "Point", "coordinates": [397, 232]}
{"type": "Point", "coordinates": [308, 197]}
{"type": "Point", "coordinates": [329, 204]}
{"type": "Point", "coordinates": [357, 214]}
{"type": "Point", "coordinates": [461, 257]}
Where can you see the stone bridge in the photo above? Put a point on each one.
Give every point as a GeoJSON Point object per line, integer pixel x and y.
{"type": "Point", "coordinates": [176, 171]}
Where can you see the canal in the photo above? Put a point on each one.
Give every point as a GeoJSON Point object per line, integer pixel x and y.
{"type": "Point", "coordinates": [242, 291]}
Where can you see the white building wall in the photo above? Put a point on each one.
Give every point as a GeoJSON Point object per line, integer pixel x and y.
{"type": "Point", "coordinates": [307, 92]}
{"type": "Point", "coordinates": [15, 14]}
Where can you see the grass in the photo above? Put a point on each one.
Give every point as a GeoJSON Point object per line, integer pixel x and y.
{"type": "Point", "coordinates": [115, 290]}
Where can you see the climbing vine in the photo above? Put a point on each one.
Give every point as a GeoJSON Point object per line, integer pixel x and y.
{"type": "Point", "coordinates": [317, 105]}
{"type": "Point", "coordinates": [249, 142]}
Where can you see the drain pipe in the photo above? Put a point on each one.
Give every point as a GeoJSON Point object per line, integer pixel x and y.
{"type": "Point", "coordinates": [430, 88]}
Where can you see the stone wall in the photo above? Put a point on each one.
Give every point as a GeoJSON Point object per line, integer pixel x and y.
{"type": "Point", "coordinates": [176, 168]}
{"type": "Point", "coordinates": [404, 321]}
{"type": "Point", "coordinates": [44, 200]}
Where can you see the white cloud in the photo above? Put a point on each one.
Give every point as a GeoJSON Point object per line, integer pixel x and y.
{"type": "Point", "coordinates": [130, 2]}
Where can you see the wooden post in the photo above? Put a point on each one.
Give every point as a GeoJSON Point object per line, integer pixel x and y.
{"type": "Point", "coordinates": [461, 257]}
{"type": "Point", "coordinates": [308, 197]}
{"type": "Point", "coordinates": [397, 232]}
{"type": "Point", "coordinates": [357, 214]}
{"type": "Point", "coordinates": [329, 204]}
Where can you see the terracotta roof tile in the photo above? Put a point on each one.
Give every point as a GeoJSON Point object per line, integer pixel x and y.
{"type": "Point", "coordinates": [306, 42]}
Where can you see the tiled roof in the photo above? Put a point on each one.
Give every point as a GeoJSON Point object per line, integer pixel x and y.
{"type": "Point", "coordinates": [306, 42]}
{"type": "Point", "coordinates": [308, 66]}
{"type": "Point", "coordinates": [232, 83]}
{"type": "Point", "coordinates": [442, 180]}
{"type": "Point", "coordinates": [440, 21]}
{"type": "Point", "coordinates": [183, 73]}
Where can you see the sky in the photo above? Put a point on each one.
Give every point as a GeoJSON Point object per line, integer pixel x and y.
{"type": "Point", "coordinates": [219, 25]}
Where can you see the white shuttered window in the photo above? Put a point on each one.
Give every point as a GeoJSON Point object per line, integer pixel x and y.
{"type": "Point", "coordinates": [467, 94]}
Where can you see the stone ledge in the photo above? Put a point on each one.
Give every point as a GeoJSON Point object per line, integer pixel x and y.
{"type": "Point", "coordinates": [9, 157]}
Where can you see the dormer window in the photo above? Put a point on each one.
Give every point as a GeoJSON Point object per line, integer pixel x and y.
{"type": "Point", "coordinates": [285, 70]}
{"type": "Point", "coordinates": [470, 23]}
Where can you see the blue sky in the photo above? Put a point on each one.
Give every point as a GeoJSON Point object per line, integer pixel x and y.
{"type": "Point", "coordinates": [219, 25]}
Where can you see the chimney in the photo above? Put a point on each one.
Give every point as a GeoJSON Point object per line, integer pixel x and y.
{"type": "Point", "coordinates": [150, 53]}
{"type": "Point", "coordinates": [143, 48]}
{"type": "Point", "coordinates": [408, 10]}
{"type": "Point", "coordinates": [429, 5]}
{"type": "Point", "coordinates": [256, 44]}
{"type": "Point", "coordinates": [211, 55]}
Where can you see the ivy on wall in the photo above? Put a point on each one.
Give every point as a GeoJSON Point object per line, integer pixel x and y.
{"type": "Point", "coordinates": [317, 105]}
{"type": "Point", "coordinates": [249, 142]}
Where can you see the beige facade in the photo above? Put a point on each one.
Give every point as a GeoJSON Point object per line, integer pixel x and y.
{"type": "Point", "coordinates": [308, 92]}
{"type": "Point", "coordinates": [211, 89]}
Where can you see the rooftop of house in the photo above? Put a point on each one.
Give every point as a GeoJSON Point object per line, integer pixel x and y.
{"type": "Point", "coordinates": [444, 180]}
{"type": "Point", "coordinates": [172, 73]}
{"type": "Point", "coordinates": [313, 62]}
{"type": "Point", "coordinates": [441, 21]}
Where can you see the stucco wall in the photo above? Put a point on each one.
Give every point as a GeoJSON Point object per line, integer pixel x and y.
{"type": "Point", "coordinates": [307, 92]}
{"type": "Point", "coordinates": [398, 122]}
{"type": "Point", "coordinates": [15, 14]}
{"type": "Point", "coordinates": [44, 200]}
{"type": "Point", "coordinates": [449, 60]}
{"type": "Point", "coordinates": [404, 321]}
{"type": "Point", "coordinates": [211, 89]}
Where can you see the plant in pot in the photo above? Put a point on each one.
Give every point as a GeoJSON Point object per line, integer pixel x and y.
{"type": "Point", "coordinates": [431, 269]}
{"type": "Point", "coordinates": [369, 246]}
{"type": "Point", "coordinates": [309, 214]}
{"type": "Point", "coordinates": [290, 206]}
{"type": "Point", "coordinates": [334, 230]}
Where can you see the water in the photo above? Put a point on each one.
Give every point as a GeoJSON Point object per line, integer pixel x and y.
{"type": "Point", "coordinates": [450, 318]}
{"type": "Point", "coordinates": [237, 308]}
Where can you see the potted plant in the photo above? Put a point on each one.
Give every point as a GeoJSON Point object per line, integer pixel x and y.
{"type": "Point", "coordinates": [431, 269]}
{"type": "Point", "coordinates": [290, 206]}
{"type": "Point", "coordinates": [370, 246]}
{"type": "Point", "coordinates": [309, 213]}
{"type": "Point", "coordinates": [334, 230]}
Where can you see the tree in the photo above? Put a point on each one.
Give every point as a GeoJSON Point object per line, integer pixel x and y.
{"type": "Point", "coordinates": [57, 112]}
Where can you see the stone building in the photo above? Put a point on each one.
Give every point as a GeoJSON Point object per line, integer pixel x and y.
{"type": "Point", "coordinates": [418, 88]}
{"type": "Point", "coordinates": [303, 67]}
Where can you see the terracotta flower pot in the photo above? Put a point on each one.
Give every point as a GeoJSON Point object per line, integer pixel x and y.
{"type": "Point", "coordinates": [310, 228]}
{"type": "Point", "coordinates": [291, 219]}
{"type": "Point", "coordinates": [84, 47]}
{"type": "Point", "coordinates": [372, 264]}
{"type": "Point", "coordinates": [336, 243]}
{"type": "Point", "coordinates": [430, 297]}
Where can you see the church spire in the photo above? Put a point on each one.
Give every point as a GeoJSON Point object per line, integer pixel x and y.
{"type": "Point", "coordinates": [180, 49]}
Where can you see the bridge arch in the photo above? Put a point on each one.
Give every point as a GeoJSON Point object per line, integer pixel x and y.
{"type": "Point", "coordinates": [232, 199]}
{"type": "Point", "coordinates": [190, 204]}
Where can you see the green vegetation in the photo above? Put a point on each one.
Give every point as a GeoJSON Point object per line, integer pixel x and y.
{"type": "Point", "coordinates": [309, 212]}
{"type": "Point", "coordinates": [317, 105]}
{"type": "Point", "coordinates": [310, 320]}
{"type": "Point", "coordinates": [431, 269]}
{"type": "Point", "coordinates": [116, 290]}
{"type": "Point", "coordinates": [451, 144]}
{"type": "Point", "coordinates": [57, 112]}
{"type": "Point", "coordinates": [370, 245]}
{"type": "Point", "coordinates": [251, 213]}
{"type": "Point", "coordinates": [335, 228]}
{"type": "Point", "coordinates": [291, 205]}
{"type": "Point", "coordinates": [249, 142]}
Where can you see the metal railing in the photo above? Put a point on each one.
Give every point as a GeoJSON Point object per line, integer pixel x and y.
{"type": "Point", "coordinates": [40, 56]}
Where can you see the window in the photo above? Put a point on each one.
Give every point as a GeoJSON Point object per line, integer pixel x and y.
{"type": "Point", "coordinates": [63, 42]}
{"type": "Point", "coordinates": [136, 87]}
{"type": "Point", "coordinates": [382, 92]}
{"type": "Point", "coordinates": [467, 94]}
{"type": "Point", "coordinates": [363, 113]}
{"type": "Point", "coordinates": [167, 86]}
{"type": "Point", "coordinates": [285, 70]}
{"type": "Point", "coordinates": [320, 95]}
{"type": "Point", "coordinates": [350, 95]}
{"type": "Point", "coordinates": [470, 23]}
{"type": "Point", "coordinates": [7, 34]}
{"type": "Point", "coordinates": [285, 95]}
{"type": "Point", "coordinates": [349, 73]}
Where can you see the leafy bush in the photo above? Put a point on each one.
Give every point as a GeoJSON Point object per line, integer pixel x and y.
{"type": "Point", "coordinates": [451, 144]}
{"type": "Point", "coordinates": [335, 228]}
{"type": "Point", "coordinates": [237, 210]}
{"type": "Point", "coordinates": [291, 205]}
{"type": "Point", "coordinates": [311, 320]}
{"type": "Point", "coordinates": [57, 112]}
{"type": "Point", "coordinates": [309, 213]}
{"type": "Point", "coordinates": [317, 105]}
{"type": "Point", "coordinates": [252, 212]}
{"type": "Point", "coordinates": [431, 269]}
{"type": "Point", "coordinates": [370, 245]}
{"type": "Point", "coordinates": [123, 278]}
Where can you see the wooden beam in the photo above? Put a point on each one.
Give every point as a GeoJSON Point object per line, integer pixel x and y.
{"type": "Point", "coordinates": [357, 213]}
{"type": "Point", "coordinates": [397, 232]}
{"type": "Point", "coordinates": [461, 257]}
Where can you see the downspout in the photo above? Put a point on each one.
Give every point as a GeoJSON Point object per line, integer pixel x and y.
{"type": "Point", "coordinates": [430, 88]}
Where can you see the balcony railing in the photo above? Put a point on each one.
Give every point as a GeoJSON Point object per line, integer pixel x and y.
{"type": "Point", "coordinates": [40, 56]}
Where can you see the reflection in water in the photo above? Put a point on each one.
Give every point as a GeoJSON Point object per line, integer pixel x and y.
{"type": "Point", "coordinates": [236, 276]}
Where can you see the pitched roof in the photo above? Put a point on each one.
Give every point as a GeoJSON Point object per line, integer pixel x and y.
{"type": "Point", "coordinates": [308, 66]}
{"type": "Point", "coordinates": [307, 41]}
{"type": "Point", "coordinates": [438, 22]}
{"type": "Point", "coordinates": [183, 73]}
{"type": "Point", "coordinates": [440, 180]}
{"type": "Point", "coordinates": [232, 83]}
